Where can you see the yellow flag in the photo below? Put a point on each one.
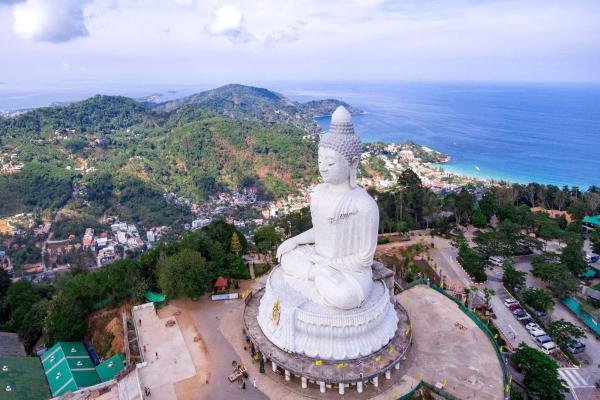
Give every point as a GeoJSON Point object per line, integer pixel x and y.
{"type": "Point", "coordinates": [319, 362]}
{"type": "Point", "coordinates": [507, 388]}
{"type": "Point", "coordinates": [445, 381]}
{"type": "Point", "coordinates": [496, 336]}
{"type": "Point", "coordinates": [411, 324]}
{"type": "Point", "coordinates": [500, 349]}
{"type": "Point", "coordinates": [378, 358]}
{"type": "Point", "coordinates": [340, 365]}
{"type": "Point", "coordinates": [421, 376]}
{"type": "Point", "coordinates": [407, 332]}
{"type": "Point", "coordinates": [392, 350]}
{"type": "Point", "coordinates": [510, 379]}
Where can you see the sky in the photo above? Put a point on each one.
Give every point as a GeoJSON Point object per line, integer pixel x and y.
{"type": "Point", "coordinates": [207, 41]}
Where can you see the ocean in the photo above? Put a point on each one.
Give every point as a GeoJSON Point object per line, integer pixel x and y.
{"type": "Point", "coordinates": [546, 133]}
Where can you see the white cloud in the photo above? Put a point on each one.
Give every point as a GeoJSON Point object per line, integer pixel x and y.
{"type": "Point", "coordinates": [228, 22]}
{"type": "Point", "coordinates": [50, 20]}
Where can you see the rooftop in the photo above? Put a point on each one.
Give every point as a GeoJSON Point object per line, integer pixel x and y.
{"type": "Point", "coordinates": [68, 367]}
{"type": "Point", "coordinates": [25, 378]}
{"type": "Point", "coordinates": [10, 345]}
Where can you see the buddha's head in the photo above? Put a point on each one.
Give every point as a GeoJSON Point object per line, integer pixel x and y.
{"type": "Point", "coordinates": [340, 150]}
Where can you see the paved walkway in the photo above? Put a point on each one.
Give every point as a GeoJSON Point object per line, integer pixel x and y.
{"type": "Point", "coordinates": [166, 357]}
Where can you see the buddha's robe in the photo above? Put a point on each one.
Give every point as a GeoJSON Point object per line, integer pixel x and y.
{"type": "Point", "coordinates": [336, 269]}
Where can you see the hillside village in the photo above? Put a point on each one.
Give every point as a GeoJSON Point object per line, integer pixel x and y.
{"type": "Point", "coordinates": [381, 163]}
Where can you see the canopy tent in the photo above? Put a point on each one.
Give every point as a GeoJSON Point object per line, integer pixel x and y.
{"type": "Point", "coordinates": [590, 273]}
{"type": "Point", "coordinates": [158, 299]}
{"type": "Point", "coordinates": [593, 220]}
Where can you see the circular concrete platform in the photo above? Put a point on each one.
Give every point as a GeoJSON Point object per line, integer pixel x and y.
{"type": "Point", "coordinates": [326, 372]}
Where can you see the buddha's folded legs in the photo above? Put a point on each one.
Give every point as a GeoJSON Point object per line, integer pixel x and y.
{"type": "Point", "coordinates": [338, 289]}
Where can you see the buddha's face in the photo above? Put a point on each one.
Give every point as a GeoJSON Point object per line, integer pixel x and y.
{"type": "Point", "coordinates": [333, 167]}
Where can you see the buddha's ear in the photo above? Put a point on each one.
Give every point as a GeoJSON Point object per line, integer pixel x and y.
{"type": "Point", "coordinates": [353, 171]}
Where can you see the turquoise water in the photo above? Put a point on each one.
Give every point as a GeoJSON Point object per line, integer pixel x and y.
{"type": "Point", "coordinates": [586, 318]}
{"type": "Point", "coordinates": [520, 133]}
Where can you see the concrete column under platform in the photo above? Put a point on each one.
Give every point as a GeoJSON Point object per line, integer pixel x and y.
{"type": "Point", "coordinates": [287, 375]}
{"type": "Point", "coordinates": [376, 381]}
{"type": "Point", "coordinates": [397, 366]}
{"type": "Point", "coordinates": [304, 382]}
{"type": "Point", "coordinates": [274, 366]}
{"type": "Point", "coordinates": [322, 387]}
{"type": "Point", "coordinates": [341, 388]}
{"type": "Point", "coordinates": [388, 374]}
{"type": "Point", "coordinates": [359, 386]}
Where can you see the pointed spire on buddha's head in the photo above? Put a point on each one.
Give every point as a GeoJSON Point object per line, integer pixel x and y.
{"type": "Point", "coordinates": [341, 136]}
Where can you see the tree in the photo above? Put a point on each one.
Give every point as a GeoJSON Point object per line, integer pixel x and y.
{"type": "Point", "coordinates": [66, 319]}
{"type": "Point", "coordinates": [235, 246]}
{"type": "Point", "coordinates": [4, 282]}
{"type": "Point", "coordinates": [20, 298]}
{"type": "Point", "coordinates": [540, 373]}
{"type": "Point", "coordinates": [487, 296]}
{"type": "Point", "coordinates": [595, 238]}
{"type": "Point", "coordinates": [537, 298]}
{"type": "Point", "coordinates": [512, 278]}
{"type": "Point", "coordinates": [563, 284]}
{"type": "Point", "coordinates": [564, 332]}
{"type": "Point", "coordinates": [479, 219]}
{"type": "Point", "coordinates": [572, 255]}
{"type": "Point", "coordinates": [32, 329]}
{"type": "Point", "coordinates": [267, 239]}
{"type": "Point", "coordinates": [184, 274]}
{"type": "Point", "coordinates": [472, 261]}
{"type": "Point", "coordinates": [489, 204]}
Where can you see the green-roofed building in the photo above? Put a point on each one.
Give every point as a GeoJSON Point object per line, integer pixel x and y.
{"type": "Point", "coordinates": [68, 367]}
{"type": "Point", "coordinates": [594, 221]}
{"type": "Point", "coordinates": [110, 368]}
{"type": "Point", "coordinates": [22, 378]}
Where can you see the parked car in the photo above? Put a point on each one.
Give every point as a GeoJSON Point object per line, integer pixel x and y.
{"type": "Point", "coordinates": [532, 326]}
{"type": "Point", "coordinates": [526, 321]}
{"type": "Point", "coordinates": [592, 258]}
{"type": "Point", "coordinates": [509, 302]}
{"type": "Point", "coordinates": [497, 261]}
{"type": "Point", "coordinates": [520, 313]}
{"type": "Point", "coordinates": [537, 333]}
{"type": "Point", "coordinates": [540, 340]}
{"type": "Point", "coordinates": [549, 347]}
{"type": "Point", "coordinates": [540, 314]}
{"type": "Point", "coordinates": [576, 346]}
{"type": "Point", "coordinates": [514, 307]}
{"type": "Point", "coordinates": [523, 317]}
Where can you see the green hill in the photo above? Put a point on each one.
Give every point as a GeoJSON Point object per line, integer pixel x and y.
{"type": "Point", "coordinates": [248, 102]}
{"type": "Point", "coordinates": [113, 155]}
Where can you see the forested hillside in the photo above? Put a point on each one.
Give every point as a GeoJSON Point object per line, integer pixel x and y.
{"type": "Point", "coordinates": [115, 155]}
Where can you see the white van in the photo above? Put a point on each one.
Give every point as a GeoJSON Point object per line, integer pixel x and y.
{"type": "Point", "coordinates": [549, 347]}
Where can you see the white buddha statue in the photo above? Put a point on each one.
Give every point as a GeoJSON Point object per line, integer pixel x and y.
{"type": "Point", "coordinates": [322, 301]}
{"type": "Point", "coordinates": [331, 262]}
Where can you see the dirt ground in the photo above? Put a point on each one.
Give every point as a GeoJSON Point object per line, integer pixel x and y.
{"type": "Point", "coordinates": [105, 330]}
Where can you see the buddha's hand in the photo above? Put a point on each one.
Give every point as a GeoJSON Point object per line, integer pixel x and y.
{"type": "Point", "coordinates": [286, 247]}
